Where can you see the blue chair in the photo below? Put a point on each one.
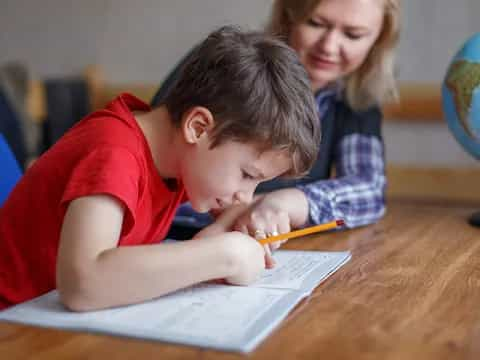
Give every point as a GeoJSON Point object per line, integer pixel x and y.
{"type": "Point", "coordinates": [10, 171]}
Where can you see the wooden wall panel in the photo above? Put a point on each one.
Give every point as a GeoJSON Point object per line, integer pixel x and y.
{"type": "Point", "coordinates": [419, 103]}
{"type": "Point", "coordinates": [434, 184]}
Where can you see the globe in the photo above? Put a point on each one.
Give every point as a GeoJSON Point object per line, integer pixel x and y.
{"type": "Point", "coordinates": [461, 100]}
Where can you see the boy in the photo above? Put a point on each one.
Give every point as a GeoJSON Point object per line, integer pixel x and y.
{"type": "Point", "coordinates": [86, 215]}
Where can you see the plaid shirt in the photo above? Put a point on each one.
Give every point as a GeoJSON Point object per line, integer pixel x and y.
{"type": "Point", "coordinates": [356, 194]}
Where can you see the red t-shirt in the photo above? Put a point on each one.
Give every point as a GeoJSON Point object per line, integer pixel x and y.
{"type": "Point", "coordinates": [105, 153]}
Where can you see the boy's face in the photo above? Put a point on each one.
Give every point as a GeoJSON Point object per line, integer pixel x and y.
{"type": "Point", "coordinates": [229, 173]}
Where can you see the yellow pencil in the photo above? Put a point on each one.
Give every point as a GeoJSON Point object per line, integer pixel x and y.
{"type": "Point", "coordinates": [302, 232]}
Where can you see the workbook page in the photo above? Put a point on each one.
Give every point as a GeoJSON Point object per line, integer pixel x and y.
{"type": "Point", "coordinates": [301, 270]}
{"type": "Point", "coordinates": [208, 315]}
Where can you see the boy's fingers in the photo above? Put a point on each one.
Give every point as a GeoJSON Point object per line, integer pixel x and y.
{"type": "Point", "coordinates": [267, 250]}
{"type": "Point", "coordinates": [269, 260]}
{"type": "Point", "coordinates": [274, 246]}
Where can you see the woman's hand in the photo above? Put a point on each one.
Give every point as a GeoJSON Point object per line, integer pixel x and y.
{"type": "Point", "coordinates": [272, 214]}
{"type": "Point", "coordinates": [268, 215]}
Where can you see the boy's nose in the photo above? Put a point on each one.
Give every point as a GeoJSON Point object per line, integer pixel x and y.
{"type": "Point", "coordinates": [243, 197]}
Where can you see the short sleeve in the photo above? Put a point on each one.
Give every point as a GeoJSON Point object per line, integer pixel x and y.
{"type": "Point", "coordinates": [110, 171]}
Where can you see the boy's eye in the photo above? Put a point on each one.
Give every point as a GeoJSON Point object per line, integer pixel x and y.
{"type": "Point", "coordinates": [247, 176]}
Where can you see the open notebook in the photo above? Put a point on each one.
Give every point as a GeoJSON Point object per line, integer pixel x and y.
{"type": "Point", "coordinates": [216, 316]}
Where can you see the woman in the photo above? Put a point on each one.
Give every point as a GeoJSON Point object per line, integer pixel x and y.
{"type": "Point", "coordinates": [347, 49]}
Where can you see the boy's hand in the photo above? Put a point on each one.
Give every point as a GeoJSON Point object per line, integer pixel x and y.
{"type": "Point", "coordinates": [247, 256]}
{"type": "Point", "coordinates": [223, 223]}
{"type": "Point", "coordinates": [269, 248]}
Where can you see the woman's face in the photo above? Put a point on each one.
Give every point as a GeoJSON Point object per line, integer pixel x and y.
{"type": "Point", "coordinates": [337, 37]}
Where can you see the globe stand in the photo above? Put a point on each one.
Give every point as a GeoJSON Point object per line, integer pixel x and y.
{"type": "Point", "coordinates": [474, 220]}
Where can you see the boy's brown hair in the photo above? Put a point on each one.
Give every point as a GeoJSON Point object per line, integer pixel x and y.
{"type": "Point", "coordinates": [257, 91]}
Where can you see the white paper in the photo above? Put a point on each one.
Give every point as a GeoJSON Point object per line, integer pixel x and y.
{"type": "Point", "coordinates": [293, 268]}
{"type": "Point", "coordinates": [208, 315]}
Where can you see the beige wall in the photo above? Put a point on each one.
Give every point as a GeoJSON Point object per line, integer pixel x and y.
{"type": "Point", "coordinates": [134, 41]}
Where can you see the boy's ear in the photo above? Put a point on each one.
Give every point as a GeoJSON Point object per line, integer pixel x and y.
{"type": "Point", "coordinates": [196, 123]}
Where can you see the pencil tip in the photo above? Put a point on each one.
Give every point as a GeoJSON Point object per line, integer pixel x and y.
{"type": "Point", "coordinates": [340, 222]}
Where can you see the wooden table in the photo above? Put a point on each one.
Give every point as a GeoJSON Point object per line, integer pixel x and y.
{"type": "Point", "coordinates": [411, 291]}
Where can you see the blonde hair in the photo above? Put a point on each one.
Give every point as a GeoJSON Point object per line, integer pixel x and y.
{"type": "Point", "coordinates": [373, 82]}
